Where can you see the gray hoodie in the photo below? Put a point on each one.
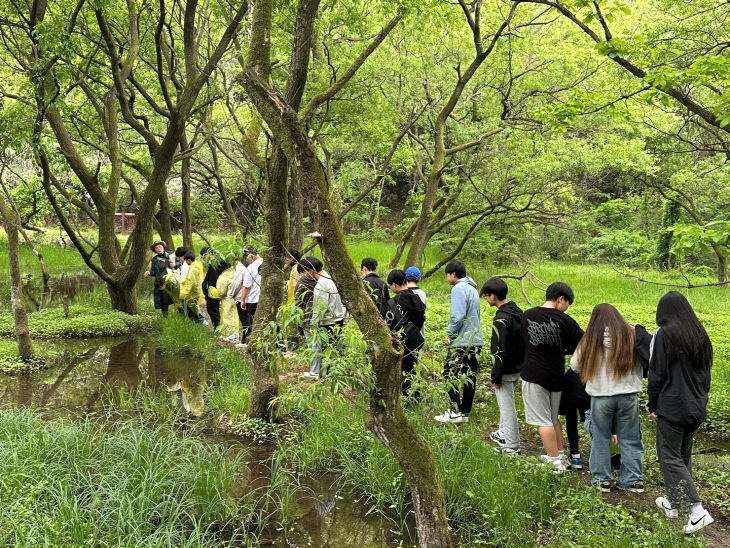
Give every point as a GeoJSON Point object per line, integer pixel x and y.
{"type": "Point", "coordinates": [465, 326]}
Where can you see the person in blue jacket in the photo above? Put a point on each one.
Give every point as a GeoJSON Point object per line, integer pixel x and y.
{"type": "Point", "coordinates": [465, 340]}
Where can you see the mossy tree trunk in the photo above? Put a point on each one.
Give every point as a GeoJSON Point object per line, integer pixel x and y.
{"type": "Point", "coordinates": [20, 316]}
{"type": "Point", "coordinates": [386, 417]}
{"type": "Point", "coordinates": [185, 217]}
{"type": "Point", "coordinates": [265, 386]}
{"type": "Point", "coordinates": [165, 221]}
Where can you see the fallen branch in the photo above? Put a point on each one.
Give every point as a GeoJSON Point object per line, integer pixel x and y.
{"type": "Point", "coordinates": [688, 285]}
{"type": "Point", "coordinates": [530, 277]}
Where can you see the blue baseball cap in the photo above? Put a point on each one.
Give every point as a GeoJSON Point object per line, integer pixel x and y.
{"type": "Point", "coordinates": [413, 274]}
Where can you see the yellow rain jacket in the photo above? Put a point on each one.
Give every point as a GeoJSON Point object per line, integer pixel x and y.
{"type": "Point", "coordinates": [229, 314]}
{"type": "Point", "coordinates": [191, 290]}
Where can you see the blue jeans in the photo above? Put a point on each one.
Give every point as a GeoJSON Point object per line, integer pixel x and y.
{"type": "Point", "coordinates": [617, 414]}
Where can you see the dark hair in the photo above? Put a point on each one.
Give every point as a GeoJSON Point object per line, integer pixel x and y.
{"type": "Point", "coordinates": [369, 263]}
{"type": "Point", "coordinates": [248, 251]}
{"type": "Point", "coordinates": [311, 263]}
{"type": "Point", "coordinates": [189, 255]}
{"type": "Point", "coordinates": [619, 356]}
{"type": "Point", "coordinates": [456, 267]}
{"type": "Point", "coordinates": [495, 286]}
{"type": "Point", "coordinates": [294, 253]}
{"type": "Point", "coordinates": [559, 289]}
{"type": "Point", "coordinates": [397, 277]}
{"type": "Point", "coordinates": [205, 250]}
{"type": "Point", "coordinates": [181, 251]}
{"type": "Point", "coordinates": [683, 332]}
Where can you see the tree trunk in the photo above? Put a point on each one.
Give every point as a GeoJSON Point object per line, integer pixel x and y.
{"type": "Point", "coordinates": [386, 417]}
{"type": "Point", "coordinates": [420, 232]}
{"type": "Point", "coordinates": [20, 316]}
{"type": "Point", "coordinates": [187, 228]}
{"type": "Point", "coordinates": [721, 267]}
{"type": "Point", "coordinates": [265, 385]}
{"type": "Point", "coordinates": [165, 222]}
{"type": "Point", "coordinates": [123, 299]}
{"type": "Point", "coordinates": [296, 214]}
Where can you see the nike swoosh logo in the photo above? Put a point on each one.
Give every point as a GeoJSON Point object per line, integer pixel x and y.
{"type": "Point", "coordinates": [696, 522]}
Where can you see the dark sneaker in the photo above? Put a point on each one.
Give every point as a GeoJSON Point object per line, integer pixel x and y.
{"type": "Point", "coordinates": [575, 463]}
{"type": "Point", "coordinates": [605, 486]}
{"type": "Point", "coordinates": [636, 487]}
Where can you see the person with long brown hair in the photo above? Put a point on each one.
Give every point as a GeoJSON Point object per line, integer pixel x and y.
{"type": "Point", "coordinates": [606, 362]}
{"type": "Point", "coordinates": [679, 382]}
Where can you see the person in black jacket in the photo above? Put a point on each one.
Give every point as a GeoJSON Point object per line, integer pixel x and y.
{"type": "Point", "coordinates": [508, 353]}
{"type": "Point", "coordinates": [216, 267]}
{"type": "Point", "coordinates": [679, 381]}
{"type": "Point", "coordinates": [162, 263]}
{"type": "Point", "coordinates": [375, 285]}
{"type": "Point", "coordinates": [406, 316]}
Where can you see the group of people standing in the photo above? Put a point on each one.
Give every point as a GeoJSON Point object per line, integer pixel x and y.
{"type": "Point", "coordinates": [609, 360]}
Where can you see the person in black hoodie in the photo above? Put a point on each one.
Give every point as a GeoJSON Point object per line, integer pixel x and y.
{"type": "Point", "coordinates": [406, 315]}
{"type": "Point", "coordinates": [375, 285]}
{"type": "Point", "coordinates": [216, 267]}
{"type": "Point", "coordinates": [508, 352]}
{"type": "Point", "coordinates": [679, 381]}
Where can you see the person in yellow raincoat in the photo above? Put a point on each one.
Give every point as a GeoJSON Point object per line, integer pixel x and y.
{"type": "Point", "coordinates": [191, 290]}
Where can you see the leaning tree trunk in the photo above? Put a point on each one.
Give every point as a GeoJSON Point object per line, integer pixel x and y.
{"type": "Point", "coordinates": [20, 316]}
{"type": "Point", "coordinates": [386, 417]}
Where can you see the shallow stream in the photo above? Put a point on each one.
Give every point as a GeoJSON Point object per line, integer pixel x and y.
{"type": "Point", "coordinates": [88, 375]}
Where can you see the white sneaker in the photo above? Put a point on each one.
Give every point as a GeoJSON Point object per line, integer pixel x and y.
{"type": "Point", "coordinates": [449, 416]}
{"type": "Point", "coordinates": [233, 338]}
{"type": "Point", "coordinates": [311, 375]}
{"type": "Point", "coordinates": [241, 345]}
{"type": "Point", "coordinates": [557, 462]}
{"type": "Point", "coordinates": [507, 451]}
{"type": "Point", "coordinates": [498, 438]}
{"type": "Point", "coordinates": [696, 525]}
{"type": "Point", "coordinates": [462, 417]}
{"type": "Point", "coordinates": [664, 504]}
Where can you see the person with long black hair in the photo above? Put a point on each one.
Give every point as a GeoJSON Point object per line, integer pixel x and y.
{"type": "Point", "coordinates": [679, 381]}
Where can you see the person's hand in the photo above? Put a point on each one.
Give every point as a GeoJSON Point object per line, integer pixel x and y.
{"type": "Point", "coordinates": [172, 264]}
{"type": "Point", "coordinates": [496, 386]}
{"type": "Point", "coordinates": [653, 416]}
{"type": "Point", "coordinates": [146, 272]}
{"type": "Point", "coordinates": [243, 305]}
{"type": "Point", "coordinates": [614, 439]}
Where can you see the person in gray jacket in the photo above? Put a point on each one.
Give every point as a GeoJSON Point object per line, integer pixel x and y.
{"type": "Point", "coordinates": [328, 317]}
{"type": "Point", "coordinates": [465, 339]}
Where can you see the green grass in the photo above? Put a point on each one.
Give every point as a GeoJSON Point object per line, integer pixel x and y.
{"type": "Point", "coordinates": [66, 484]}
{"type": "Point", "coordinates": [85, 320]}
{"type": "Point", "coordinates": [492, 500]}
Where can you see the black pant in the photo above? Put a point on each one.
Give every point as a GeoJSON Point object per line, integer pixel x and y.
{"type": "Point", "coordinates": [571, 427]}
{"type": "Point", "coordinates": [214, 311]}
{"type": "Point", "coordinates": [186, 311]}
{"type": "Point", "coordinates": [459, 362]}
{"type": "Point", "coordinates": [246, 316]}
{"type": "Point", "coordinates": [408, 366]}
{"type": "Point", "coordinates": [674, 450]}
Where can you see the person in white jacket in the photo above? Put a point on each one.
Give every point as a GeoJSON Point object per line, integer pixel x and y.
{"type": "Point", "coordinates": [328, 317]}
{"type": "Point", "coordinates": [607, 363]}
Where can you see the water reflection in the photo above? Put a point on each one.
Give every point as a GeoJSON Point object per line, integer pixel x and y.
{"type": "Point", "coordinates": [88, 375]}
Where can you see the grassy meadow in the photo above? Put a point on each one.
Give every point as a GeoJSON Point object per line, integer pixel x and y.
{"type": "Point", "coordinates": [492, 500]}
